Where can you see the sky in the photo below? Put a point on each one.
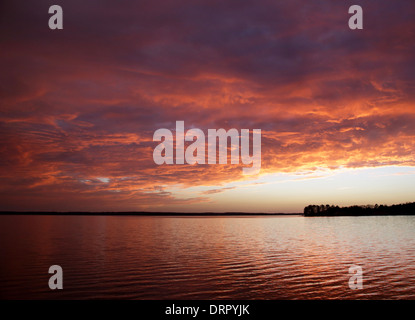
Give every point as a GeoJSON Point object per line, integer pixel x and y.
{"type": "Point", "coordinates": [79, 106]}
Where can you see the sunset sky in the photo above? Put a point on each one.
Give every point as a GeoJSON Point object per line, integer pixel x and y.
{"type": "Point", "coordinates": [79, 106]}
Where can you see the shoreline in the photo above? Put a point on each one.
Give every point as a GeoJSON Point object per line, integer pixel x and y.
{"type": "Point", "coordinates": [204, 214]}
{"type": "Point", "coordinates": [182, 214]}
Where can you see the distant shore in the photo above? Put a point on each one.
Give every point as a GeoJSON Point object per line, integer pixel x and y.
{"type": "Point", "coordinates": [406, 209]}
{"type": "Point", "coordinates": [204, 214]}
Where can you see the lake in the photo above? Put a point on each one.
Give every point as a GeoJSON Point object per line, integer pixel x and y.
{"type": "Point", "coordinates": [219, 257]}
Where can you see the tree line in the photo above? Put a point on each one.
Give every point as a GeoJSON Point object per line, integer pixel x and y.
{"type": "Point", "coordinates": [330, 210]}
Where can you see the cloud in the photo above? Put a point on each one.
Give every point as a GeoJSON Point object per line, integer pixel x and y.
{"type": "Point", "coordinates": [83, 103]}
{"type": "Point", "coordinates": [214, 191]}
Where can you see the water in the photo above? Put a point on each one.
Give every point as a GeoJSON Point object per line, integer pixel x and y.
{"type": "Point", "coordinates": [141, 257]}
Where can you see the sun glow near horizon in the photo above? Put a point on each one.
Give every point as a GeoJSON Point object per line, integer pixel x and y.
{"type": "Point", "coordinates": [291, 192]}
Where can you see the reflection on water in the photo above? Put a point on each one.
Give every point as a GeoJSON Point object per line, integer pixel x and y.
{"type": "Point", "coordinates": [140, 257]}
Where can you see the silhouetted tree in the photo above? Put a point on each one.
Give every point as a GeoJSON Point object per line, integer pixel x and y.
{"type": "Point", "coordinates": [327, 210]}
